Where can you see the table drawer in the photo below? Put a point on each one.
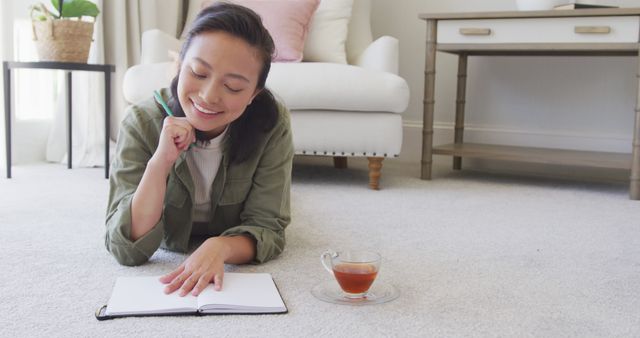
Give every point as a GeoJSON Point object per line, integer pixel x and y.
{"type": "Point", "coordinates": [621, 29]}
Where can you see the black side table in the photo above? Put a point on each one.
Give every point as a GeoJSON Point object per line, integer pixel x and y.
{"type": "Point", "coordinates": [68, 67]}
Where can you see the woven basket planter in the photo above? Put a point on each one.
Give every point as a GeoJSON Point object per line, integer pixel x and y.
{"type": "Point", "coordinates": [63, 40]}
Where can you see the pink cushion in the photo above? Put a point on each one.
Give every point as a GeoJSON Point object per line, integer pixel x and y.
{"type": "Point", "coordinates": [286, 20]}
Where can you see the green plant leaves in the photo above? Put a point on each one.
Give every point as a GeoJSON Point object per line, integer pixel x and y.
{"type": "Point", "coordinates": [56, 6]}
{"type": "Point", "coordinates": [39, 12]}
{"type": "Point", "coordinates": [76, 8]}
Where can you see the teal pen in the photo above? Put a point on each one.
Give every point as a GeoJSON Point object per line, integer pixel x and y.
{"type": "Point", "coordinates": [164, 105]}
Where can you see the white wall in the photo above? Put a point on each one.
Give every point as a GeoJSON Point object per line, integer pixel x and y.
{"type": "Point", "coordinates": [580, 103]}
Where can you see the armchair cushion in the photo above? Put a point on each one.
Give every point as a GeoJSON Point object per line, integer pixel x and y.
{"type": "Point", "coordinates": [328, 31]}
{"type": "Point", "coordinates": [332, 86]}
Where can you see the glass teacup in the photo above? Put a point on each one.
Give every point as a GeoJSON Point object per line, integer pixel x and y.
{"type": "Point", "coordinates": [355, 271]}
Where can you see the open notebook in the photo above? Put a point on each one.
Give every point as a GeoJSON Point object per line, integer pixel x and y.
{"type": "Point", "coordinates": [241, 293]}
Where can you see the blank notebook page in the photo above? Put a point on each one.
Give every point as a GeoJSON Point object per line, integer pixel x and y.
{"type": "Point", "coordinates": [243, 290]}
{"type": "Point", "coordinates": [146, 295]}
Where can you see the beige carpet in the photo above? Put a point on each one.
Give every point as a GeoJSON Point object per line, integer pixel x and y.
{"type": "Point", "coordinates": [473, 255]}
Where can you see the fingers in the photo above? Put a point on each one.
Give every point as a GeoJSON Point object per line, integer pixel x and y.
{"type": "Point", "coordinates": [176, 283]}
{"type": "Point", "coordinates": [202, 284]}
{"type": "Point", "coordinates": [166, 279]}
{"type": "Point", "coordinates": [189, 282]}
{"type": "Point", "coordinates": [193, 283]}
{"type": "Point", "coordinates": [217, 282]}
{"type": "Point", "coordinates": [184, 142]}
{"type": "Point", "coordinates": [196, 285]}
{"type": "Point", "coordinates": [183, 138]}
{"type": "Point", "coordinates": [188, 285]}
{"type": "Point", "coordinates": [205, 265]}
{"type": "Point", "coordinates": [180, 131]}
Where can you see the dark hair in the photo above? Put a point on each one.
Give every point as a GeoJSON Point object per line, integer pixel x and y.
{"type": "Point", "coordinates": [261, 114]}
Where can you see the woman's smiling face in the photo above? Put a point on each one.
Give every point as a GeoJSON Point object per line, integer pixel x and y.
{"type": "Point", "coordinates": [217, 81]}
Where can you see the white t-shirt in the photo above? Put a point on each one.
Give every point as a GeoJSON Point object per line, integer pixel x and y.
{"type": "Point", "coordinates": [204, 160]}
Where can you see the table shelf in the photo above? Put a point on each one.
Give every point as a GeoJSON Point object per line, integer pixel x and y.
{"type": "Point", "coordinates": [544, 49]}
{"type": "Point", "coordinates": [536, 155]}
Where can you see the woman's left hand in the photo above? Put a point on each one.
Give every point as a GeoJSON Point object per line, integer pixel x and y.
{"type": "Point", "coordinates": [205, 265]}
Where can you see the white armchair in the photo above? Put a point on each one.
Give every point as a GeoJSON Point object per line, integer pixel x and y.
{"type": "Point", "coordinates": [338, 110]}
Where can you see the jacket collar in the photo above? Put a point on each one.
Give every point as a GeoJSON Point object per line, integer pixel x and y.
{"type": "Point", "coordinates": [184, 175]}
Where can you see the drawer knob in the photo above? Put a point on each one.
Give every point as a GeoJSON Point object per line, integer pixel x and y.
{"type": "Point", "coordinates": [592, 29]}
{"type": "Point", "coordinates": [475, 31]}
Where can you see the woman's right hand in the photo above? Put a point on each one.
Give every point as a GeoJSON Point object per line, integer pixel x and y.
{"type": "Point", "coordinates": [176, 136]}
{"type": "Point", "coordinates": [146, 208]}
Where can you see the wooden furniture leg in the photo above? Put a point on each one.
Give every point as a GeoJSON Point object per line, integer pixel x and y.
{"type": "Point", "coordinates": [340, 162]}
{"type": "Point", "coordinates": [634, 184]}
{"type": "Point", "coordinates": [375, 165]}
{"type": "Point", "coordinates": [429, 100]}
{"type": "Point", "coordinates": [7, 114]}
{"type": "Point", "coordinates": [107, 120]}
{"type": "Point", "coordinates": [460, 105]}
{"type": "Point", "coordinates": [69, 83]}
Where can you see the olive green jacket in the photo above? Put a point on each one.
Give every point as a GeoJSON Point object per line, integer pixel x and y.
{"type": "Point", "coordinates": [251, 198]}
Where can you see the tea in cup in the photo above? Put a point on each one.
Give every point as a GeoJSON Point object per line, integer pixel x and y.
{"type": "Point", "coordinates": [355, 271]}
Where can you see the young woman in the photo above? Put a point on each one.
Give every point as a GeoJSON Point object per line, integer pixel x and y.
{"type": "Point", "coordinates": [215, 163]}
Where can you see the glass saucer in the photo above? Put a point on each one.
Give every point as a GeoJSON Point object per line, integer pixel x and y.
{"type": "Point", "coordinates": [379, 292]}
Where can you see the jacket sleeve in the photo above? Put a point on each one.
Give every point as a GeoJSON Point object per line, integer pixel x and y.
{"type": "Point", "coordinates": [133, 151]}
{"type": "Point", "coordinates": [266, 211]}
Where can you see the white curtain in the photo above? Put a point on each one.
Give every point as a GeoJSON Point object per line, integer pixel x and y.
{"type": "Point", "coordinates": [3, 55]}
{"type": "Point", "coordinates": [116, 41]}
{"type": "Point", "coordinates": [87, 112]}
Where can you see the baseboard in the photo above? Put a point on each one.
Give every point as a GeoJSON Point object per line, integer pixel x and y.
{"type": "Point", "coordinates": [443, 133]}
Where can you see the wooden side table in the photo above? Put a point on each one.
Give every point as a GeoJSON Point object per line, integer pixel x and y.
{"type": "Point", "coordinates": [592, 32]}
{"type": "Point", "coordinates": [7, 66]}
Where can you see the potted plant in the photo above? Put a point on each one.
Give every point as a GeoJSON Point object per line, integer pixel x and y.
{"type": "Point", "coordinates": [63, 34]}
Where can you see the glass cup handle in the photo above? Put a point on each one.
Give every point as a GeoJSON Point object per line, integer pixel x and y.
{"type": "Point", "coordinates": [327, 256]}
